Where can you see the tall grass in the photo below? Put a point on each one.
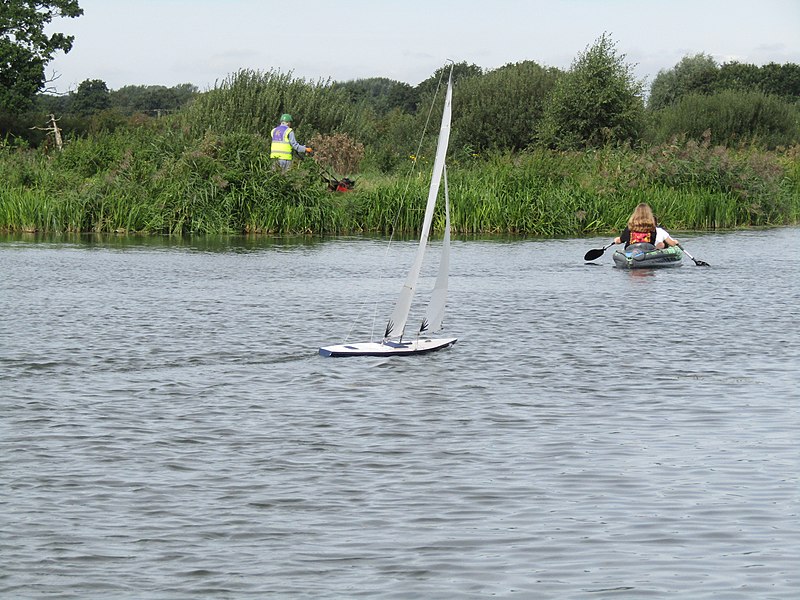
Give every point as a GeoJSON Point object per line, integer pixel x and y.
{"type": "Point", "coordinates": [167, 180]}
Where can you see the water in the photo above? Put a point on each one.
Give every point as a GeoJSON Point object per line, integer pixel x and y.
{"type": "Point", "coordinates": [168, 430]}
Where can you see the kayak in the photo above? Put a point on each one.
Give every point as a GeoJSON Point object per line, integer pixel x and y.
{"type": "Point", "coordinates": [647, 256]}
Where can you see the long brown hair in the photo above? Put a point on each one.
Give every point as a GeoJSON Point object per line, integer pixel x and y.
{"type": "Point", "coordinates": [642, 218]}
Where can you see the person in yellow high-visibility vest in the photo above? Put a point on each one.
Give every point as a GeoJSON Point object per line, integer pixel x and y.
{"type": "Point", "coordinates": [283, 141]}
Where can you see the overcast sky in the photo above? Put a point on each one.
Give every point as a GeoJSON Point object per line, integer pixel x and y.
{"type": "Point", "coordinates": [168, 42]}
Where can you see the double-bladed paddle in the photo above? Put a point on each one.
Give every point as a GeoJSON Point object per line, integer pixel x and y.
{"type": "Point", "coordinates": [699, 263]}
{"type": "Point", "coordinates": [597, 252]}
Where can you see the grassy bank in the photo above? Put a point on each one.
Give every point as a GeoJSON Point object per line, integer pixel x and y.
{"type": "Point", "coordinates": [168, 181]}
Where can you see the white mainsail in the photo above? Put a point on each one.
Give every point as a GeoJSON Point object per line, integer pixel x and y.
{"type": "Point", "coordinates": [397, 322]}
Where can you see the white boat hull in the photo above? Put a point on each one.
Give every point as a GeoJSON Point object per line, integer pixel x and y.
{"type": "Point", "coordinates": [420, 346]}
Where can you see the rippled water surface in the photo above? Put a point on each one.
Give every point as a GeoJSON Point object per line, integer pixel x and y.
{"type": "Point", "coordinates": [169, 431]}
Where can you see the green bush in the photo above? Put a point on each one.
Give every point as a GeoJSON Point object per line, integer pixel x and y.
{"type": "Point", "coordinates": [732, 118]}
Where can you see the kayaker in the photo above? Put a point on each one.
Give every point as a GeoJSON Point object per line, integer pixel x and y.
{"type": "Point", "coordinates": [283, 141]}
{"type": "Point", "coordinates": [641, 227]}
{"type": "Point", "coordinates": [663, 238]}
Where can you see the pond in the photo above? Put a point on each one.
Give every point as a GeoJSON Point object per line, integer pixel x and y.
{"type": "Point", "coordinates": [169, 430]}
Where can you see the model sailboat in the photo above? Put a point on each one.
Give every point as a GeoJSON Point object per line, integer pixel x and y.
{"type": "Point", "coordinates": [394, 341]}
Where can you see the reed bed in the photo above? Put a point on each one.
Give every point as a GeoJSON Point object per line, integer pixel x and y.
{"type": "Point", "coordinates": [170, 182]}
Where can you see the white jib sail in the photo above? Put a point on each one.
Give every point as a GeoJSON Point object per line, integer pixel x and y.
{"type": "Point", "coordinates": [434, 316]}
{"type": "Point", "coordinates": [397, 322]}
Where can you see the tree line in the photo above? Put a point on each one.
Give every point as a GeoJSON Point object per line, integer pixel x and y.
{"type": "Point", "coordinates": [595, 103]}
{"type": "Point", "coordinates": [520, 105]}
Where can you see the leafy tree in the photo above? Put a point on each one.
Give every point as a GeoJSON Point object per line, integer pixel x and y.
{"type": "Point", "coordinates": [461, 71]}
{"type": "Point", "coordinates": [404, 97]}
{"type": "Point", "coordinates": [52, 103]}
{"type": "Point", "coordinates": [502, 108]}
{"type": "Point", "coordinates": [692, 75]}
{"type": "Point", "coordinates": [699, 74]}
{"type": "Point", "coordinates": [380, 94]}
{"type": "Point", "coordinates": [25, 48]}
{"type": "Point", "coordinates": [596, 102]}
{"type": "Point", "coordinates": [738, 76]}
{"type": "Point", "coordinates": [92, 97]}
{"type": "Point", "coordinates": [781, 80]}
{"type": "Point", "coordinates": [152, 99]}
{"type": "Point", "coordinates": [395, 141]}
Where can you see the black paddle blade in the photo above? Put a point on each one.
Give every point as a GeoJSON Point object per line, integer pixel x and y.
{"type": "Point", "coordinates": [592, 254]}
{"type": "Point", "coordinates": [699, 263]}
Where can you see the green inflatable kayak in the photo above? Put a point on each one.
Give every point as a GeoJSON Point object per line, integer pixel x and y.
{"type": "Point", "coordinates": [647, 256]}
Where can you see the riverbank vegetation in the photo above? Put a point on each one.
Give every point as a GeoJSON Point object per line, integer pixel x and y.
{"type": "Point", "coordinates": [534, 150]}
